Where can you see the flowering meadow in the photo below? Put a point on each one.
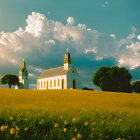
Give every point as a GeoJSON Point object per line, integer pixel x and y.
{"type": "Point", "coordinates": [68, 115]}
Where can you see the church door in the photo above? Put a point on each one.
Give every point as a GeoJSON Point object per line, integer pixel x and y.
{"type": "Point", "coordinates": [74, 84]}
{"type": "Point", "coordinates": [63, 83]}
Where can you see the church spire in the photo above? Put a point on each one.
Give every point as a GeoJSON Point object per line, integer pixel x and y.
{"type": "Point", "coordinates": [23, 64]}
{"type": "Point", "coordinates": [67, 60]}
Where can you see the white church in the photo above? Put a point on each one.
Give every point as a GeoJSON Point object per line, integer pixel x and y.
{"type": "Point", "coordinates": [64, 77]}
{"type": "Point", "coordinates": [23, 77]}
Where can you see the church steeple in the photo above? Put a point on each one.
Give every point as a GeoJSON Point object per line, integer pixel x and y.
{"type": "Point", "coordinates": [23, 64]}
{"type": "Point", "coordinates": [67, 60]}
{"type": "Point", "coordinates": [23, 76]}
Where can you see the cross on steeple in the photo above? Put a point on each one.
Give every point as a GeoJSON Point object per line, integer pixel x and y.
{"type": "Point", "coordinates": [67, 49]}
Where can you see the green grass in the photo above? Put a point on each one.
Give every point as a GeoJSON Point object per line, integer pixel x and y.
{"type": "Point", "coordinates": [68, 114]}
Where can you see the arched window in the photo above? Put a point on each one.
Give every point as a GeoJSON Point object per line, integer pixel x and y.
{"type": "Point", "coordinates": [47, 85]}
{"type": "Point", "coordinates": [44, 84]}
{"type": "Point", "coordinates": [41, 85]}
{"type": "Point", "coordinates": [58, 82]}
{"type": "Point", "coordinates": [50, 83]}
{"type": "Point", "coordinates": [54, 83]}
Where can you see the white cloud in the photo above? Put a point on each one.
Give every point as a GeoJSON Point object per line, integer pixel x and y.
{"type": "Point", "coordinates": [33, 43]}
{"type": "Point", "coordinates": [106, 3]}
{"type": "Point", "coordinates": [131, 56]}
{"type": "Point", "coordinates": [50, 42]}
{"type": "Point", "coordinates": [113, 36]}
{"type": "Point", "coordinates": [131, 36]}
{"type": "Point", "coordinates": [70, 20]}
{"type": "Point", "coordinates": [138, 37]}
{"type": "Point", "coordinates": [133, 29]}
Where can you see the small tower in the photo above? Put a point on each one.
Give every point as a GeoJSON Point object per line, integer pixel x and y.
{"type": "Point", "coordinates": [67, 60]}
{"type": "Point", "coordinates": [23, 77]}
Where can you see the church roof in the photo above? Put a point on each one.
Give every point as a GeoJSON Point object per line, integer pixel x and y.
{"type": "Point", "coordinates": [53, 72]}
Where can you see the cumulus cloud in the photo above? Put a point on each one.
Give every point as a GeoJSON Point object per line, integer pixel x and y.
{"type": "Point", "coordinates": [43, 43]}
{"type": "Point", "coordinates": [106, 3]}
{"type": "Point", "coordinates": [70, 20]}
{"type": "Point", "coordinates": [131, 56]}
{"type": "Point", "coordinates": [112, 35]}
{"type": "Point", "coordinates": [138, 37]}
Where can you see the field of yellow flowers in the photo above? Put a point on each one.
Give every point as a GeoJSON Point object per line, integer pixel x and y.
{"type": "Point", "coordinates": [68, 115]}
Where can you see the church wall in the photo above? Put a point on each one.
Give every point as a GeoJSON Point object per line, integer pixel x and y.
{"type": "Point", "coordinates": [72, 76]}
{"type": "Point", "coordinates": [53, 83]}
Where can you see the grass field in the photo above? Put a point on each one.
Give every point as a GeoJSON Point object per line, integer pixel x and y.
{"type": "Point", "coordinates": [68, 115]}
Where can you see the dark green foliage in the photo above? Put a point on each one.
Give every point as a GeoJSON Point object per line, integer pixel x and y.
{"type": "Point", "coordinates": [86, 88]}
{"type": "Point", "coordinates": [136, 86]}
{"type": "Point", "coordinates": [116, 79]}
{"type": "Point", "coordinates": [9, 79]}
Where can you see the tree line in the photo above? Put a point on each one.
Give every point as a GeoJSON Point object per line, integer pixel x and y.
{"type": "Point", "coordinates": [115, 79]}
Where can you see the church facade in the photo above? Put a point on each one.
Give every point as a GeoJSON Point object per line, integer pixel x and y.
{"type": "Point", "coordinates": [23, 78]}
{"type": "Point", "coordinates": [64, 77]}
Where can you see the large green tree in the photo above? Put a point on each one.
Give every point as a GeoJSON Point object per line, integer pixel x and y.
{"type": "Point", "coordinates": [9, 79]}
{"type": "Point", "coordinates": [136, 86]}
{"type": "Point", "coordinates": [116, 79]}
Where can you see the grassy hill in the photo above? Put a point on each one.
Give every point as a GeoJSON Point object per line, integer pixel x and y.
{"type": "Point", "coordinates": [68, 114]}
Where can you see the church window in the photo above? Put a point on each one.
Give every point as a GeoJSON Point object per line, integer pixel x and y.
{"type": "Point", "coordinates": [47, 85]}
{"type": "Point", "coordinates": [58, 82]}
{"type": "Point", "coordinates": [41, 85]}
{"type": "Point", "coordinates": [44, 84]}
{"type": "Point", "coordinates": [54, 83]}
{"type": "Point", "coordinates": [50, 83]}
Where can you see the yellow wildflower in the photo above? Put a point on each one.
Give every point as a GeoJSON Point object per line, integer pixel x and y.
{"type": "Point", "coordinates": [86, 123]}
{"type": "Point", "coordinates": [40, 122]}
{"type": "Point", "coordinates": [118, 139]}
{"type": "Point", "coordinates": [56, 125]}
{"type": "Point", "coordinates": [17, 128]}
{"type": "Point", "coordinates": [61, 117]}
{"type": "Point", "coordinates": [26, 119]}
{"type": "Point", "coordinates": [4, 127]}
{"type": "Point", "coordinates": [93, 129]}
{"type": "Point", "coordinates": [11, 118]}
{"type": "Point", "coordinates": [79, 136]}
{"type": "Point", "coordinates": [94, 123]}
{"type": "Point", "coordinates": [12, 131]}
{"type": "Point", "coordinates": [73, 139]}
{"type": "Point", "coordinates": [120, 120]}
{"type": "Point", "coordinates": [74, 120]}
{"type": "Point", "coordinates": [65, 122]}
{"type": "Point", "coordinates": [26, 129]}
{"type": "Point", "coordinates": [65, 129]}
{"type": "Point", "coordinates": [75, 130]}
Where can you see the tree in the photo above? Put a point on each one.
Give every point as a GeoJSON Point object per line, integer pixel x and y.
{"type": "Point", "coordinates": [136, 86]}
{"type": "Point", "coordinates": [9, 79]}
{"type": "Point", "coordinates": [116, 79]}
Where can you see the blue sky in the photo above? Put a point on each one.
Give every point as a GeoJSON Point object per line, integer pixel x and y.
{"type": "Point", "coordinates": [117, 15]}
{"type": "Point", "coordinates": [113, 39]}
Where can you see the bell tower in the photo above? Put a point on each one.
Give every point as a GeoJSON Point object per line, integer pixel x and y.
{"type": "Point", "coordinates": [67, 60]}
{"type": "Point", "coordinates": [23, 76]}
